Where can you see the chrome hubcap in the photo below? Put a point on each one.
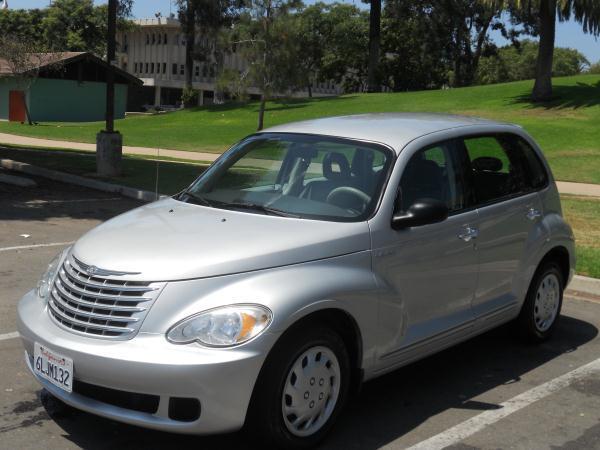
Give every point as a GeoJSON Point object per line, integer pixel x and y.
{"type": "Point", "coordinates": [311, 391]}
{"type": "Point", "coordinates": [546, 302]}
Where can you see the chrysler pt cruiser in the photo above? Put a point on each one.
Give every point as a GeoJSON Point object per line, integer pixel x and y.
{"type": "Point", "coordinates": [307, 259]}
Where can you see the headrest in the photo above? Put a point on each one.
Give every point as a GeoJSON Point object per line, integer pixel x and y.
{"type": "Point", "coordinates": [339, 159]}
{"type": "Point", "coordinates": [362, 162]}
{"type": "Point", "coordinates": [487, 164]}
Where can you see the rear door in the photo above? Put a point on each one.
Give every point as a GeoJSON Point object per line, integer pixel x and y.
{"type": "Point", "coordinates": [509, 208]}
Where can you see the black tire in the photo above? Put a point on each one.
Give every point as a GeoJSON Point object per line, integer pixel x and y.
{"type": "Point", "coordinates": [526, 321]}
{"type": "Point", "coordinates": [265, 419]}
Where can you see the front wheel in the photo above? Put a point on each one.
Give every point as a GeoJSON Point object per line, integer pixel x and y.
{"type": "Point", "coordinates": [543, 303]}
{"type": "Point", "coordinates": [301, 389]}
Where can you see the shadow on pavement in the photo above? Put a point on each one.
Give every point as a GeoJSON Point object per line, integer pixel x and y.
{"type": "Point", "coordinates": [53, 200]}
{"type": "Point", "coordinates": [387, 407]}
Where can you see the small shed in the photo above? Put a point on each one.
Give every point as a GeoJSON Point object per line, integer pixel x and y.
{"type": "Point", "coordinates": [68, 87]}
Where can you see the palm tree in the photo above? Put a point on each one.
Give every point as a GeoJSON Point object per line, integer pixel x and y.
{"type": "Point", "coordinates": [374, 41]}
{"type": "Point", "coordinates": [586, 12]}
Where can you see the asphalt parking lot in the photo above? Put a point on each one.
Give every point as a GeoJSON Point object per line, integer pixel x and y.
{"type": "Point", "coordinates": [490, 392]}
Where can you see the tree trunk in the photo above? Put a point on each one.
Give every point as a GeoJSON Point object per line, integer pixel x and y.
{"type": "Point", "coordinates": [542, 90]}
{"type": "Point", "coordinates": [374, 41]}
{"type": "Point", "coordinates": [190, 39]}
{"type": "Point", "coordinates": [261, 112]}
{"type": "Point", "coordinates": [309, 89]}
{"type": "Point", "coordinates": [29, 121]}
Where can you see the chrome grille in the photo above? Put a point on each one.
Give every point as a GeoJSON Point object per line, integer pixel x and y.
{"type": "Point", "coordinates": [99, 305]}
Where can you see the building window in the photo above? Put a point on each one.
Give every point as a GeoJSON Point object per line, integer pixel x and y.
{"type": "Point", "coordinates": [159, 38]}
{"type": "Point", "coordinates": [182, 70]}
{"type": "Point", "coordinates": [212, 71]}
{"type": "Point", "coordinates": [204, 71]}
{"type": "Point", "coordinates": [176, 41]}
{"type": "Point", "coordinates": [174, 69]}
{"type": "Point", "coordinates": [134, 67]}
{"type": "Point", "coordinates": [153, 38]}
{"type": "Point", "coordinates": [146, 68]}
{"type": "Point", "coordinates": [147, 39]}
{"type": "Point", "coordinates": [197, 71]}
{"type": "Point", "coordinates": [124, 66]}
{"type": "Point", "coordinates": [151, 67]}
{"type": "Point", "coordinates": [157, 67]}
{"type": "Point", "coordinates": [165, 39]}
{"type": "Point", "coordinates": [164, 68]}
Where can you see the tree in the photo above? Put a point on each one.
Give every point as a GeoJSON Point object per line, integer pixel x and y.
{"type": "Point", "coordinates": [546, 12]}
{"type": "Point", "coordinates": [265, 38]}
{"type": "Point", "coordinates": [374, 44]}
{"type": "Point", "coordinates": [202, 22]}
{"type": "Point", "coordinates": [345, 58]}
{"type": "Point", "coordinates": [76, 25]}
{"type": "Point", "coordinates": [313, 36]}
{"type": "Point", "coordinates": [518, 62]}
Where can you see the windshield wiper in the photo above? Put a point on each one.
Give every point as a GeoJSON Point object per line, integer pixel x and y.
{"type": "Point", "coordinates": [196, 199]}
{"type": "Point", "coordinates": [260, 208]}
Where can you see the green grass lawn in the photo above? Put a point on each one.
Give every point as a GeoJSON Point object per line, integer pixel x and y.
{"type": "Point", "coordinates": [584, 216]}
{"type": "Point", "coordinates": [568, 129]}
{"type": "Point", "coordinates": [582, 213]}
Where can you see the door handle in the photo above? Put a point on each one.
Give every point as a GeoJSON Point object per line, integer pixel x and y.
{"type": "Point", "coordinates": [533, 214]}
{"type": "Point", "coordinates": [468, 233]}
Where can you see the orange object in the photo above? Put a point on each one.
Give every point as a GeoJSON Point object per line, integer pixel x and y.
{"type": "Point", "coordinates": [16, 106]}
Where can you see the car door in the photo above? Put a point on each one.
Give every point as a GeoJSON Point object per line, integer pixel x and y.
{"type": "Point", "coordinates": [509, 209]}
{"type": "Point", "coordinates": [428, 273]}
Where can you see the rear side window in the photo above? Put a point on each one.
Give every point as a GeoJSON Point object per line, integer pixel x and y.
{"type": "Point", "coordinates": [536, 176]}
{"type": "Point", "coordinates": [497, 168]}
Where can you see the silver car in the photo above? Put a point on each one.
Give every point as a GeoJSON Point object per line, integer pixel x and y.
{"type": "Point", "coordinates": [307, 259]}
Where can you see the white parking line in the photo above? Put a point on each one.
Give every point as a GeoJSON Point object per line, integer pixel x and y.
{"type": "Point", "coordinates": [469, 427]}
{"type": "Point", "coordinates": [13, 335]}
{"type": "Point", "coordinates": [24, 247]}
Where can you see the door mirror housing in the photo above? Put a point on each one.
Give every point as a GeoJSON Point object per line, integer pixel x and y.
{"type": "Point", "coordinates": [423, 212]}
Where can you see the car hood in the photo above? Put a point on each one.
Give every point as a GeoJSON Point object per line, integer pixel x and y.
{"type": "Point", "coordinates": [171, 240]}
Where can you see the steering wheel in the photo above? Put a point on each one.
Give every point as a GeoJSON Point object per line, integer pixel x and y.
{"type": "Point", "coordinates": [348, 197]}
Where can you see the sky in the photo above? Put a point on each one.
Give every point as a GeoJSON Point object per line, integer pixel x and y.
{"type": "Point", "coordinates": [568, 34]}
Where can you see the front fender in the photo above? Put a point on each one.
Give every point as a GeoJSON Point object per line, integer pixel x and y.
{"type": "Point", "coordinates": [291, 292]}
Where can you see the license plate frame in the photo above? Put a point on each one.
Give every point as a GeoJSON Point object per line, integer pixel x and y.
{"type": "Point", "coordinates": [53, 367]}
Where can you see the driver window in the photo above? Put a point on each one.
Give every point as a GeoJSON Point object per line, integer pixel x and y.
{"type": "Point", "coordinates": [431, 173]}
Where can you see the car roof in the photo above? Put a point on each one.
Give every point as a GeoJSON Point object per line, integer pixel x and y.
{"type": "Point", "coordinates": [393, 129]}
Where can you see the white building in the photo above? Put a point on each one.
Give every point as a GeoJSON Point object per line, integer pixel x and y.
{"type": "Point", "coordinates": [154, 51]}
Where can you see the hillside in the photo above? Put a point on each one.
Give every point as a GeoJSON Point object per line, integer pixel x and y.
{"type": "Point", "coordinates": [568, 129]}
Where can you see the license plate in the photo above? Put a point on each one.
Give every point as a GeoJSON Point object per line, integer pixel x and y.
{"type": "Point", "coordinates": [55, 368]}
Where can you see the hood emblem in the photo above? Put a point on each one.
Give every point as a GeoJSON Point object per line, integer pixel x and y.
{"type": "Point", "coordinates": [94, 270]}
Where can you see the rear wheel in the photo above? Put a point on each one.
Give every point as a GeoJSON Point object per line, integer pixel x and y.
{"type": "Point", "coordinates": [542, 306]}
{"type": "Point", "coordinates": [301, 389]}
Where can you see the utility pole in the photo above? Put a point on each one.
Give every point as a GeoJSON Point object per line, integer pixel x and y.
{"type": "Point", "coordinates": [109, 143]}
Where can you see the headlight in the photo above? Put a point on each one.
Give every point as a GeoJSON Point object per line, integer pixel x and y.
{"type": "Point", "coordinates": [44, 286]}
{"type": "Point", "coordinates": [222, 327]}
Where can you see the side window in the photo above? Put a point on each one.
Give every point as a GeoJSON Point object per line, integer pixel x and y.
{"type": "Point", "coordinates": [432, 173]}
{"type": "Point", "coordinates": [497, 170]}
{"type": "Point", "coordinates": [535, 172]}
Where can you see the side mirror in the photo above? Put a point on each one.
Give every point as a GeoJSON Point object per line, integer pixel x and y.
{"type": "Point", "coordinates": [423, 212]}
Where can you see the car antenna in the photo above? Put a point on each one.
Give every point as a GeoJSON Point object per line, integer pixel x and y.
{"type": "Point", "coordinates": [157, 171]}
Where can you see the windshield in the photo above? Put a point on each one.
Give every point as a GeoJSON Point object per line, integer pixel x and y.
{"type": "Point", "coordinates": [295, 175]}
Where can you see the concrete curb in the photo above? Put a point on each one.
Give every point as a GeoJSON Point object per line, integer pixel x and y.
{"type": "Point", "coordinates": [126, 191]}
{"type": "Point", "coordinates": [17, 181]}
{"type": "Point", "coordinates": [586, 285]}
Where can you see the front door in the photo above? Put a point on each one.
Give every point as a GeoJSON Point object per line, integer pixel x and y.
{"type": "Point", "coordinates": [428, 272]}
{"type": "Point", "coordinates": [16, 106]}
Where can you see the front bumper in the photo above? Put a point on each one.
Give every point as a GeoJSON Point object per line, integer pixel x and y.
{"type": "Point", "coordinates": [221, 379]}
